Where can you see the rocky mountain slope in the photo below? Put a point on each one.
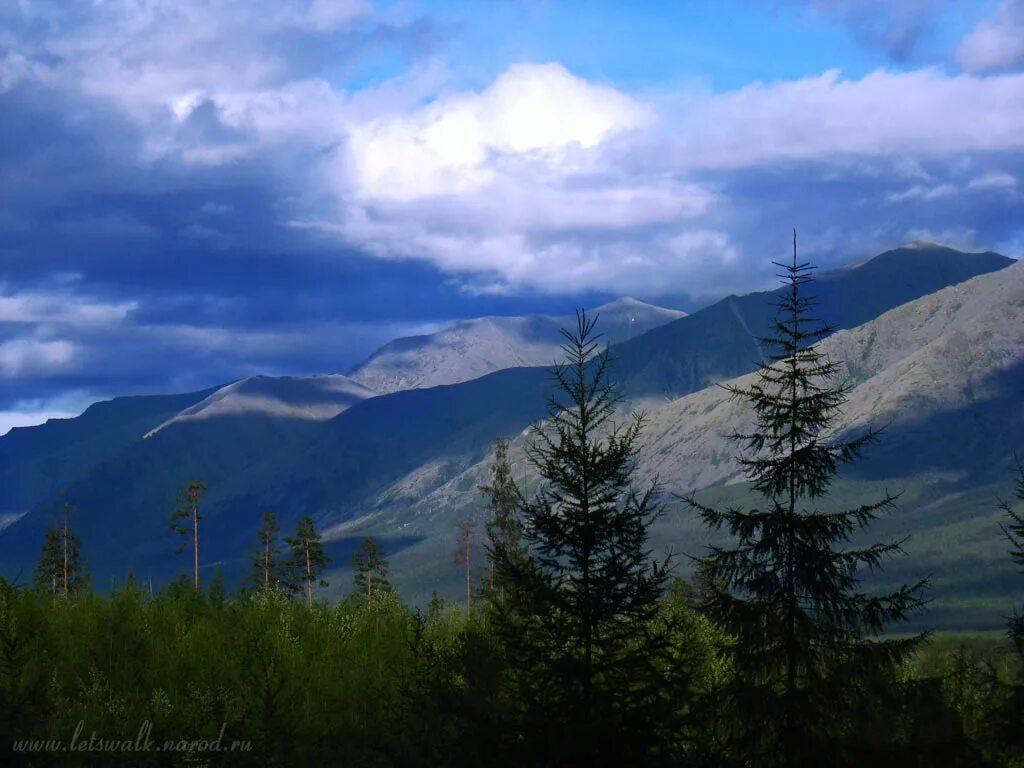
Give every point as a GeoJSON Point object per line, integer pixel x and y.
{"type": "Point", "coordinates": [944, 376]}
{"type": "Point", "coordinates": [403, 464]}
{"type": "Point", "coordinates": [470, 349]}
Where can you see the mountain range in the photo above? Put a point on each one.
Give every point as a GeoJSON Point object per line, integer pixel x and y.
{"type": "Point", "coordinates": [470, 349]}
{"type": "Point", "coordinates": [930, 338]}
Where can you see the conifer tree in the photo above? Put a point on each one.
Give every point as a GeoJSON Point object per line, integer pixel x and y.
{"type": "Point", "coordinates": [371, 569]}
{"type": "Point", "coordinates": [267, 568]}
{"type": "Point", "coordinates": [61, 567]}
{"type": "Point", "coordinates": [1013, 529]}
{"type": "Point", "coordinates": [582, 590]}
{"type": "Point", "coordinates": [48, 569]}
{"type": "Point", "coordinates": [788, 590]}
{"type": "Point", "coordinates": [308, 559]}
{"type": "Point", "coordinates": [465, 536]}
{"type": "Point", "coordinates": [502, 526]}
{"type": "Point", "coordinates": [185, 522]}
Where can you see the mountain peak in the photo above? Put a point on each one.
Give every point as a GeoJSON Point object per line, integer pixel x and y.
{"type": "Point", "coordinates": [922, 245]}
{"type": "Point", "coordinates": [469, 349]}
{"type": "Point", "coordinates": [628, 303]}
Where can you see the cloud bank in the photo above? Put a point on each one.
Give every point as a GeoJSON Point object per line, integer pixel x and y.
{"type": "Point", "coordinates": [260, 186]}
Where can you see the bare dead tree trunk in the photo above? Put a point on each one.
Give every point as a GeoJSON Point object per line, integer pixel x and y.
{"type": "Point", "coordinates": [195, 544]}
{"type": "Point", "coordinates": [463, 556]}
{"type": "Point", "coordinates": [266, 566]}
{"type": "Point", "coordinates": [309, 579]}
{"type": "Point", "coordinates": [65, 555]}
{"type": "Point", "coordinates": [469, 570]}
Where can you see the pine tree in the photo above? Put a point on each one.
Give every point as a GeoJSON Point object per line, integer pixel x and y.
{"type": "Point", "coordinates": [185, 522]}
{"type": "Point", "coordinates": [371, 569]}
{"type": "Point", "coordinates": [582, 591]}
{"type": "Point", "coordinates": [61, 567]}
{"type": "Point", "coordinates": [465, 537]}
{"type": "Point", "coordinates": [1013, 530]}
{"type": "Point", "coordinates": [502, 527]}
{"type": "Point", "coordinates": [308, 559]}
{"type": "Point", "coordinates": [48, 569]}
{"type": "Point", "coordinates": [267, 568]}
{"type": "Point", "coordinates": [789, 590]}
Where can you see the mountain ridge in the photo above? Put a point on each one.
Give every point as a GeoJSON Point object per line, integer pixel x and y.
{"type": "Point", "coordinates": [383, 459]}
{"type": "Point", "coordinates": [472, 348]}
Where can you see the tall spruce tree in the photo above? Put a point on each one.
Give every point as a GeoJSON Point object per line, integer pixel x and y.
{"type": "Point", "coordinates": [308, 559]}
{"type": "Point", "coordinates": [502, 526]}
{"type": "Point", "coordinates": [1013, 530]}
{"type": "Point", "coordinates": [267, 567]}
{"type": "Point", "coordinates": [582, 591]}
{"type": "Point", "coordinates": [185, 522]}
{"type": "Point", "coordinates": [789, 591]}
{"type": "Point", "coordinates": [371, 569]}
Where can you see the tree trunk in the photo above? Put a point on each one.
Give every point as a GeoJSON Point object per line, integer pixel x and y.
{"type": "Point", "coordinates": [309, 580]}
{"type": "Point", "coordinates": [195, 545]}
{"type": "Point", "coordinates": [369, 586]}
{"type": "Point", "coordinates": [65, 556]}
{"type": "Point", "coordinates": [469, 560]}
{"type": "Point", "coordinates": [266, 566]}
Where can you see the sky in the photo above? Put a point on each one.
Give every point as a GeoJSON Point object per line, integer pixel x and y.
{"type": "Point", "coordinates": [193, 191]}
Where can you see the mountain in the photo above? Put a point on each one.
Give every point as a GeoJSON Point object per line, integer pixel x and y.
{"type": "Point", "coordinates": [402, 464]}
{"type": "Point", "coordinates": [944, 376]}
{"type": "Point", "coordinates": [315, 398]}
{"type": "Point", "coordinates": [38, 462]}
{"type": "Point", "coordinates": [472, 348]}
{"type": "Point", "coordinates": [720, 341]}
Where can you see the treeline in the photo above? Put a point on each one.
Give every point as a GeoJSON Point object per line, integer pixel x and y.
{"type": "Point", "coordinates": [376, 683]}
{"type": "Point", "coordinates": [577, 647]}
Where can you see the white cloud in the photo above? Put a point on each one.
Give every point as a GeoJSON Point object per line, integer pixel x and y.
{"type": "Point", "coordinates": [60, 308]}
{"type": "Point", "coordinates": [541, 179]}
{"type": "Point", "coordinates": [996, 43]}
{"type": "Point", "coordinates": [557, 206]}
{"type": "Point", "coordinates": [993, 180]}
{"type": "Point", "coordinates": [23, 358]}
{"type": "Point", "coordinates": [922, 192]}
{"type": "Point", "coordinates": [538, 112]}
{"type": "Point", "coordinates": [917, 114]}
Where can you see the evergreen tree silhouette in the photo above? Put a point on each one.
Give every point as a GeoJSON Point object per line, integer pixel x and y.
{"type": "Point", "coordinates": [371, 569]}
{"type": "Point", "coordinates": [1013, 530]}
{"type": "Point", "coordinates": [788, 590]}
{"type": "Point", "coordinates": [268, 570]}
{"type": "Point", "coordinates": [502, 527]}
{"type": "Point", "coordinates": [61, 568]}
{"type": "Point", "coordinates": [582, 591]}
{"type": "Point", "coordinates": [308, 559]}
{"type": "Point", "coordinates": [185, 522]}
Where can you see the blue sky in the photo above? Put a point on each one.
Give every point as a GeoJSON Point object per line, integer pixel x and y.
{"type": "Point", "coordinates": [194, 191]}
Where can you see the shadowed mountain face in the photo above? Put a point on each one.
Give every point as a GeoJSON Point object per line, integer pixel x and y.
{"type": "Point", "coordinates": [39, 462]}
{"type": "Point", "coordinates": [405, 462]}
{"type": "Point", "coordinates": [474, 348]}
{"type": "Point", "coordinates": [312, 398]}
